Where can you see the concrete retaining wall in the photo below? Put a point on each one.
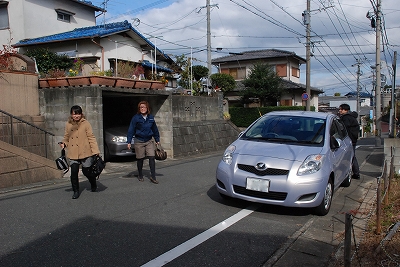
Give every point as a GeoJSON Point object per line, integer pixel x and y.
{"type": "Point", "coordinates": [19, 167]}
{"type": "Point", "coordinates": [387, 150]}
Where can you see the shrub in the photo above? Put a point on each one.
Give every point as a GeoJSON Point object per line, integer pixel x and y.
{"type": "Point", "coordinates": [243, 117]}
{"type": "Point", "coordinates": [47, 60]}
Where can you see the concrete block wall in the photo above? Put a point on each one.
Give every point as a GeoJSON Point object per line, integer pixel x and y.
{"type": "Point", "coordinates": [191, 138]}
{"type": "Point", "coordinates": [20, 167]}
{"type": "Point", "coordinates": [390, 143]}
{"type": "Point", "coordinates": [55, 105]}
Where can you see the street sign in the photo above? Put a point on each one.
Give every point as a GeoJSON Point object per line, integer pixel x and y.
{"type": "Point", "coordinates": [304, 96]}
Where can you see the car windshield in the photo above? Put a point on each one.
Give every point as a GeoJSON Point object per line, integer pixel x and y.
{"type": "Point", "coordinates": [293, 129]}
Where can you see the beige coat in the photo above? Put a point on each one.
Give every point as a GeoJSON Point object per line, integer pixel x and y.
{"type": "Point", "coordinates": [80, 140]}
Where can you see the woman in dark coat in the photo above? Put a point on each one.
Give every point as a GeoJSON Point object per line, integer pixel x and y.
{"type": "Point", "coordinates": [144, 128]}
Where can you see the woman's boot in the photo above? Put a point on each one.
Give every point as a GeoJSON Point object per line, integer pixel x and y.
{"type": "Point", "coordinates": [152, 164]}
{"type": "Point", "coordinates": [92, 180]}
{"type": "Point", "coordinates": [75, 180]}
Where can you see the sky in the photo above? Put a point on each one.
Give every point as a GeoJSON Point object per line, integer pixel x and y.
{"type": "Point", "coordinates": [341, 34]}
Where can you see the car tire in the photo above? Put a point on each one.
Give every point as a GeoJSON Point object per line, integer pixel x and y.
{"type": "Point", "coordinates": [326, 202]}
{"type": "Point", "coordinates": [347, 182]}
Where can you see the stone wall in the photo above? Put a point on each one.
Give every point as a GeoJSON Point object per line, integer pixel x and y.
{"type": "Point", "coordinates": [198, 137]}
{"type": "Point", "coordinates": [20, 167]}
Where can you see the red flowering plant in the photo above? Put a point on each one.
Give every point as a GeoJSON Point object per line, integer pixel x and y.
{"type": "Point", "coordinates": [6, 53]}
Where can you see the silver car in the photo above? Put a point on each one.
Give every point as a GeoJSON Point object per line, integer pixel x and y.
{"type": "Point", "coordinates": [115, 143]}
{"type": "Point", "coordinates": [288, 158]}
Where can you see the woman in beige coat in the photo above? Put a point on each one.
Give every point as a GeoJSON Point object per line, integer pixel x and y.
{"type": "Point", "coordinates": [81, 145]}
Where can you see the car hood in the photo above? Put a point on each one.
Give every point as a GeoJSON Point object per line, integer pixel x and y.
{"type": "Point", "coordinates": [275, 150]}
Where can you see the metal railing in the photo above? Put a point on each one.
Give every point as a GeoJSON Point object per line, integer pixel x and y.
{"type": "Point", "coordinates": [25, 135]}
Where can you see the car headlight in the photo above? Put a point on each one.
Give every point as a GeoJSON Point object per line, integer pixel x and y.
{"type": "Point", "coordinates": [311, 164]}
{"type": "Point", "coordinates": [227, 157]}
{"type": "Point", "coordinates": [119, 139]}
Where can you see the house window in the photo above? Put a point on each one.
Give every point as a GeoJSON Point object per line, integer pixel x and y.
{"type": "Point", "coordinates": [64, 15]}
{"type": "Point", "coordinates": [231, 71]}
{"type": "Point", "coordinates": [295, 72]}
{"type": "Point", "coordinates": [4, 16]}
{"type": "Point", "coordinates": [281, 70]}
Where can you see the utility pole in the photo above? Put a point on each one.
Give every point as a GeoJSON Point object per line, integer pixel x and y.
{"type": "Point", "coordinates": [378, 109]}
{"type": "Point", "coordinates": [393, 100]}
{"type": "Point", "coordinates": [358, 87]}
{"type": "Point", "coordinates": [208, 7]}
{"type": "Point", "coordinates": [208, 43]}
{"type": "Point", "coordinates": [307, 21]}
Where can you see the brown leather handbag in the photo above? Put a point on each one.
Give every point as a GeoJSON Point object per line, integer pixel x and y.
{"type": "Point", "coordinates": [161, 154]}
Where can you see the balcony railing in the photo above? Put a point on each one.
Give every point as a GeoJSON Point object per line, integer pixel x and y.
{"type": "Point", "coordinates": [25, 135]}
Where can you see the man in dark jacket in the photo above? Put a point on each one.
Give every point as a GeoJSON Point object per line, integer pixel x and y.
{"type": "Point", "coordinates": [350, 121]}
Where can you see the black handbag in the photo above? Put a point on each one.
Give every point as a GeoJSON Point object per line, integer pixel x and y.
{"type": "Point", "coordinates": [62, 162]}
{"type": "Point", "coordinates": [97, 167]}
{"type": "Point", "coordinates": [161, 154]}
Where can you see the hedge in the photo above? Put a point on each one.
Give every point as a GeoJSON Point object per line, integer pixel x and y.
{"type": "Point", "coordinates": [243, 117]}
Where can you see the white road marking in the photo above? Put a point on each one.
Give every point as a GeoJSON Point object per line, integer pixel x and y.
{"type": "Point", "coordinates": [200, 238]}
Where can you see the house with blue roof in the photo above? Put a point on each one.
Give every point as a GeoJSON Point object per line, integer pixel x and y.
{"type": "Point", "coordinates": [69, 27]}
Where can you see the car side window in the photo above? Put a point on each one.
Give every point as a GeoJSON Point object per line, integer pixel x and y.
{"type": "Point", "coordinates": [338, 130]}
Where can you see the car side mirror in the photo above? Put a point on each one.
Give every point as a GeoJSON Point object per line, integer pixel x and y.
{"type": "Point", "coordinates": [334, 143]}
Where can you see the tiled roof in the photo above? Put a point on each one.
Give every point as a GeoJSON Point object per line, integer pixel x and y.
{"type": "Point", "coordinates": [86, 33]}
{"type": "Point", "coordinates": [147, 64]}
{"type": "Point", "coordinates": [257, 54]}
{"type": "Point", "coordinates": [89, 4]}
{"type": "Point", "coordinates": [361, 94]}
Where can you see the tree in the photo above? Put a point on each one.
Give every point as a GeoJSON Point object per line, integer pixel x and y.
{"type": "Point", "coordinates": [199, 72]}
{"type": "Point", "coordinates": [185, 74]}
{"type": "Point", "coordinates": [47, 60]}
{"type": "Point", "coordinates": [263, 83]}
{"type": "Point", "coordinates": [336, 94]}
{"type": "Point", "coordinates": [224, 81]}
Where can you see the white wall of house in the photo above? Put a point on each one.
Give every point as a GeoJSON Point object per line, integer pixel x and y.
{"type": "Point", "coordinates": [298, 101]}
{"type": "Point", "coordinates": [36, 18]}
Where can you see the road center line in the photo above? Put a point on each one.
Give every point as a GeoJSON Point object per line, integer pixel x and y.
{"type": "Point", "coordinates": [200, 238]}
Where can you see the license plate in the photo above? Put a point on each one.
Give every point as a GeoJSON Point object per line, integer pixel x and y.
{"type": "Point", "coordinates": [256, 184]}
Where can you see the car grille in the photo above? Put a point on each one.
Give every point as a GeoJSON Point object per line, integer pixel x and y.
{"type": "Point", "coordinates": [268, 171]}
{"type": "Point", "coordinates": [270, 195]}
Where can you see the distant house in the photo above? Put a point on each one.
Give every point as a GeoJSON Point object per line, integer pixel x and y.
{"type": "Point", "coordinates": [286, 64]}
{"type": "Point", "coordinates": [366, 99]}
{"type": "Point", "coordinates": [69, 27]}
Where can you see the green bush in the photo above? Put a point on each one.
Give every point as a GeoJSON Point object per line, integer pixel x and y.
{"type": "Point", "coordinates": [243, 117]}
{"type": "Point", "coordinates": [47, 60]}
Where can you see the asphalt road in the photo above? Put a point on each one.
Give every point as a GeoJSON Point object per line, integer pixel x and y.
{"type": "Point", "coordinates": [182, 221]}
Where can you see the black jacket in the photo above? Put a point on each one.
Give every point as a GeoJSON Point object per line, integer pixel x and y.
{"type": "Point", "coordinates": [353, 128]}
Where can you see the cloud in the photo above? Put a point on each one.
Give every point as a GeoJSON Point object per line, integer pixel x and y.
{"type": "Point", "coordinates": [341, 32]}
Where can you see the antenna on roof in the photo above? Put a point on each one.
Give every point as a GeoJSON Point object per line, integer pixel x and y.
{"type": "Point", "coordinates": [104, 4]}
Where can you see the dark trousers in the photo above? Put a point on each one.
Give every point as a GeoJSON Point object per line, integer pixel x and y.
{"type": "Point", "coordinates": [75, 179]}
{"type": "Point", "coordinates": [354, 166]}
{"type": "Point", "coordinates": [152, 164]}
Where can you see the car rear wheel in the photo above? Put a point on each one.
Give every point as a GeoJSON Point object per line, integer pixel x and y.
{"type": "Point", "coordinates": [326, 202]}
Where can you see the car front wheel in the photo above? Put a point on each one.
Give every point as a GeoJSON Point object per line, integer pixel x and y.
{"type": "Point", "coordinates": [326, 202]}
